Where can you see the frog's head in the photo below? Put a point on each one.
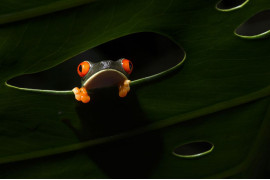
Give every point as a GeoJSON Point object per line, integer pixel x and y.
{"type": "Point", "coordinates": [104, 73]}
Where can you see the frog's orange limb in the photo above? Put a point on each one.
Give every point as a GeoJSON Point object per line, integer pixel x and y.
{"type": "Point", "coordinates": [81, 94]}
{"type": "Point", "coordinates": [124, 88]}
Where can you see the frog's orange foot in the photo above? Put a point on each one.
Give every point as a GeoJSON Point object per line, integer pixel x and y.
{"type": "Point", "coordinates": [81, 94]}
{"type": "Point", "coordinates": [124, 88]}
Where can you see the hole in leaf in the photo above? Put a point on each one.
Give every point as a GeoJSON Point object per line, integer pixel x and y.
{"type": "Point", "coordinates": [229, 5]}
{"type": "Point", "coordinates": [152, 55]}
{"type": "Point", "coordinates": [193, 149]}
{"type": "Point", "coordinates": [258, 26]}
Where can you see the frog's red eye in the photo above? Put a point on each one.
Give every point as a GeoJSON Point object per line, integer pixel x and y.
{"type": "Point", "coordinates": [83, 68]}
{"type": "Point", "coordinates": [127, 65]}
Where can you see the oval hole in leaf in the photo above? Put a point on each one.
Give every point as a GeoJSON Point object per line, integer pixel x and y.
{"type": "Point", "coordinates": [258, 26]}
{"type": "Point", "coordinates": [152, 55]}
{"type": "Point", "coordinates": [230, 5]}
{"type": "Point", "coordinates": [193, 149]}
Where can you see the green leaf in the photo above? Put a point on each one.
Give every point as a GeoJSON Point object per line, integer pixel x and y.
{"type": "Point", "coordinates": [220, 95]}
{"type": "Point", "coordinates": [17, 10]}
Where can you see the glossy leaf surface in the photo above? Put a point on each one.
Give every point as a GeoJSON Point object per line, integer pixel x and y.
{"type": "Point", "coordinates": [219, 95]}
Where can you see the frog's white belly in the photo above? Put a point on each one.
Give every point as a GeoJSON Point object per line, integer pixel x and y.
{"type": "Point", "coordinates": [105, 78]}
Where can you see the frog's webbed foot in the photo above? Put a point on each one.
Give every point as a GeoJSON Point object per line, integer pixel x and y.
{"type": "Point", "coordinates": [124, 88]}
{"type": "Point", "coordinates": [81, 94]}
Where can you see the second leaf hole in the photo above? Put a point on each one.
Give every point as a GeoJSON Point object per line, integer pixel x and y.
{"type": "Point", "coordinates": [258, 26]}
{"type": "Point", "coordinates": [230, 5]}
{"type": "Point", "coordinates": [193, 149]}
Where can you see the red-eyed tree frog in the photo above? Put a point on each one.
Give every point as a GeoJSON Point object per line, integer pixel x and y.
{"type": "Point", "coordinates": [103, 74]}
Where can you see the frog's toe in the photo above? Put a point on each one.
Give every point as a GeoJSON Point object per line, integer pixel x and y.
{"type": "Point", "coordinates": [126, 83]}
{"type": "Point", "coordinates": [83, 91]}
{"type": "Point", "coordinates": [85, 98]}
{"type": "Point", "coordinates": [76, 90]}
{"type": "Point", "coordinates": [78, 97]}
{"type": "Point", "coordinates": [77, 93]}
{"type": "Point", "coordinates": [123, 93]}
{"type": "Point", "coordinates": [127, 89]}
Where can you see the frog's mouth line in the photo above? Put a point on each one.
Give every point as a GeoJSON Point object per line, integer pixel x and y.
{"type": "Point", "coordinates": [105, 78]}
